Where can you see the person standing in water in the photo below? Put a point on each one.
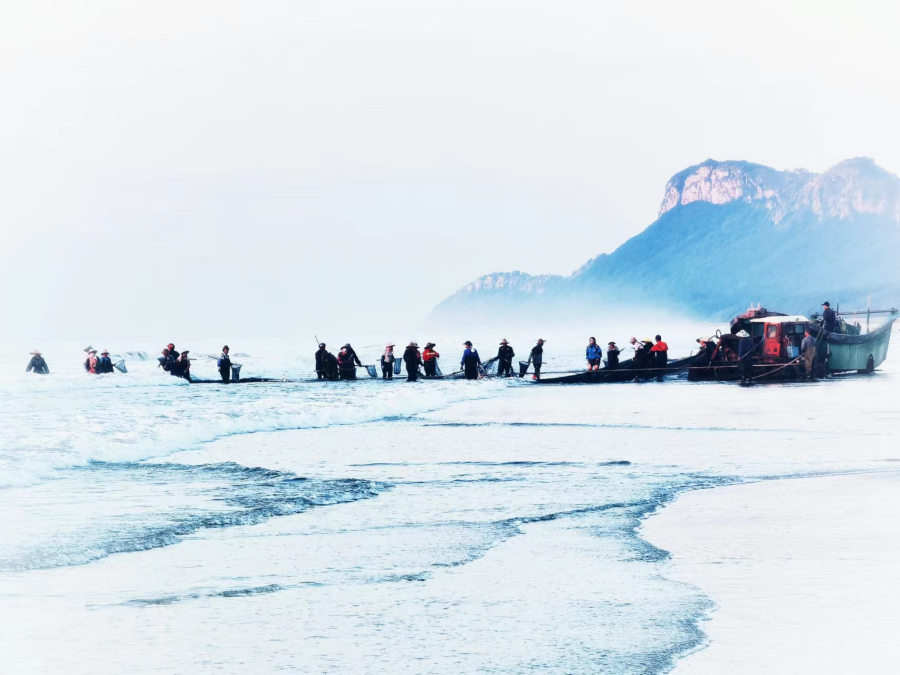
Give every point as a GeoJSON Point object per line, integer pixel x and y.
{"type": "Point", "coordinates": [353, 357]}
{"type": "Point", "coordinates": [225, 365]}
{"type": "Point", "coordinates": [387, 362]}
{"type": "Point", "coordinates": [413, 359]}
{"type": "Point", "coordinates": [660, 352]}
{"type": "Point", "coordinates": [105, 364]}
{"type": "Point", "coordinates": [612, 355]}
{"type": "Point", "coordinates": [322, 362]}
{"type": "Point", "coordinates": [346, 366]}
{"type": "Point", "coordinates": [37, 364]}
{"type": "Point", "coordinates": [430, 357]}
{"type": "Point", "coordinates": [808, 351]}
{"type": "Point", "coordinates": [470, 361]}
{"type": "Point", "coordinates": [91, 363]}
{"type": "Point", "coordinates": [593, 354]}
{"type": "Point", "coordinates": [504, 359]}
{"type": "Point", "coordinates": [745, 355]}
{"type": "Point", "coordinates": [537, 358]}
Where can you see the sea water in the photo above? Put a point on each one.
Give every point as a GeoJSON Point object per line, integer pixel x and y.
{"type": "Point", "coordinates": [151, 525]}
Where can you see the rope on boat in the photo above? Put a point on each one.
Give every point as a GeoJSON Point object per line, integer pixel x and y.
{"type": "Point", "coordinates": [777, 369]}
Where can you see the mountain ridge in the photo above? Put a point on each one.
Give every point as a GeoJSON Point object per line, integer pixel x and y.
{"type": "Point", "coordinates": [730, 233]}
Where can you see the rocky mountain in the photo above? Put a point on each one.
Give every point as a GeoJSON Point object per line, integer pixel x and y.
{"type": "Point", "coordinates": [728, 234]}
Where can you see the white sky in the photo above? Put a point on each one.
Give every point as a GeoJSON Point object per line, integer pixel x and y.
{"type": "Point", "coordinates": [257, 169]}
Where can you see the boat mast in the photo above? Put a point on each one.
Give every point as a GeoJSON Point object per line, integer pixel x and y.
{"type": "Point", "coordinates": [868, 311]}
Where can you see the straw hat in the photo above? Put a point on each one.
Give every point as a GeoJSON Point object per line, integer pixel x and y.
{"type": "Point", "coordinates": [35, 353]}
{"type": "Point", "coordinates": [390, 344]}
{"type": "Point", "coordinates": [104, 352]}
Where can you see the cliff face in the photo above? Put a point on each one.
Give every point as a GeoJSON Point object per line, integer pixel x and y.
{"type": "Point", "coordinates": [724, 182]}
{"type": "Point", "coordinates": [854, 186]}
{"type": "Point", "coordinates": [731, 233]}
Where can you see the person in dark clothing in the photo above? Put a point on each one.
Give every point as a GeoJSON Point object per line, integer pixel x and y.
{"type": "Point", "coordinates": [593, 354]}
{"type": "Point", "coordinates": [177, 364]}
{"type": "Point", "coordinates": [470, 361]}
{"type": "Point", "coordinates": [745, 356]}
{"type": "Point", "coordinates": [326, 364]}
{"type": "Point", "coordinates": [829, 317]}
{"type": "Point", "coordinates": [184, 365]}
{"type": "Point", "coordinates": [808, 350]}
{"type": "Point", "coordinates": [174, 363]}
{"type": "Point", "coordinates": [37, 364]}
{"type": "Point", "coordinates": [612, 356]}
{"type": "Point", "coordinates": [387, 362]}
{"type": "Point", "coordinates": [660, 352]}
{"type": "Point", "coordinates": [346, 366]}
{"type": "Point", "coordinates": [353, 357]}
{"type": "Point", "coordinates": [429, 358]}
{"type": "Point", "coordinates": [504, 359]}
{"type": "Point", "coordinates": [707, 351]}
{"type": "Point", "coordinates": [322, 362]}
{"type": "Point", "coordinates": [537, 358]}
{"type": "Point", "coordinates": [413, 359]}
{"type": "Point", "coordinates": [105, 364]}
{"type": "Point", "coordinates": [641, 357]}
{"type": "Point", "coordinates": [224, 364]}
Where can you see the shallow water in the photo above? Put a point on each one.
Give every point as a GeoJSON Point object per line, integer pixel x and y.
{"type": "Point", "coordinates": [156, 526]}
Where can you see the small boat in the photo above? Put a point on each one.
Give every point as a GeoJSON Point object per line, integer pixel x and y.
{"type": "Point", "coordinates": [625, 372]}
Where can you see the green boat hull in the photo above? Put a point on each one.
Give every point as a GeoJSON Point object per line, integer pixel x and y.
{"type": "Point", "coordinates": [857, 352]}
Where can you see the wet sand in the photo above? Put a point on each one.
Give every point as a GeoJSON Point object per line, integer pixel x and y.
{"type": "Point", "coordinates": [803, 573]}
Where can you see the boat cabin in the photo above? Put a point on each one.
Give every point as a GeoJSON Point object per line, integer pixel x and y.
{"type": "Point", "coordinates": [781, 336]}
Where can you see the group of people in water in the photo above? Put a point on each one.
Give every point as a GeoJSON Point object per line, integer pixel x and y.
{"type": "Point", "coordinates": [647, 355]}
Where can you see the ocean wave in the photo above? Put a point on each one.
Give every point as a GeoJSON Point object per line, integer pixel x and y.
{"type": "Point", "coordinates": [250, 495]}
{"type": "Point", "coordinates": [50, 430]}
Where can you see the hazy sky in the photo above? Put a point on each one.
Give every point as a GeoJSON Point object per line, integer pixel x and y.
{"type": "Point", "coordinates": [265, 168]}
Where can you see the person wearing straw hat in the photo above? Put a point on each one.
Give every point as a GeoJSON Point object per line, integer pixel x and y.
{"type": "Point", "coordinates": [91, 362]}
{"type": "Point", "coordinates": [37, 364]}
{"type": "Point", "coordinates": [612, 355]}
{"type": "Point", "coordinates": [104, 363]}
{"type": "Point", "coordinates": [387, 362]}
{"type": "Point", "coordinates": [413, 359]}
{"type": "Point", "coordinates": [504, 359]}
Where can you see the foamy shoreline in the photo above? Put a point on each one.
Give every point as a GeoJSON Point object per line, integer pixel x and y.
{"type": "Point", "coordinates": [803, 572]}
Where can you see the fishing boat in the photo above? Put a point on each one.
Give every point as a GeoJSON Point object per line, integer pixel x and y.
{"type": "Point", "coordinates": [777, 338]}
{"type": "Point", "coordinates": [625, 372]}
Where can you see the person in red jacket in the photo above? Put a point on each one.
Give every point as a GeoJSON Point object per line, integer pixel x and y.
{"type": "Point", "coordinates": [430, 357]}
{"type": "Point", "coordinates": [660, 352]}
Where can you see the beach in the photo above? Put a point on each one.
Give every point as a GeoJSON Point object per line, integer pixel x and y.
{"type": "Point", "coordinates": [802, 571]}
